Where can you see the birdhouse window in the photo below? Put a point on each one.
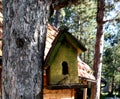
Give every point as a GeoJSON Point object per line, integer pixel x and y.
{"type": "Point", "coordinates": [65, 68]}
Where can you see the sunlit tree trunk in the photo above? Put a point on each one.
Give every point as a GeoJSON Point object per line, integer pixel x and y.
{"type": "Point", "coordinates": [25, 23]}
{"type": "Point", "coordinates": [97, 66]}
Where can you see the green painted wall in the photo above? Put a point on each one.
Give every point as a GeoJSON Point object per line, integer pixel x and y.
{"type": "Point", "coordinates": [65, 53]}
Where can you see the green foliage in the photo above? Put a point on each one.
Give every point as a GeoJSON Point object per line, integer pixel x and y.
{"type": "Point", "coordinates": [81, 20]}
{"type": "Point", "coordinates": [111, 57]}
{"type": "Point", "coordinates": [111, 61]}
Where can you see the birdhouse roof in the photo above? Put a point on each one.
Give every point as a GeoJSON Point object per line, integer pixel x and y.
{"type": "Point", "coordinates": [85, 72]}
{"type": "Point", "coordinates": [53, 42]}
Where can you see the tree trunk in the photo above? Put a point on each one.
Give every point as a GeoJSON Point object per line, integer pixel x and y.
{"type": "Point", "coordinates": [112, 86]}
{"type": "Point", "coordinates": [25, 25]}
{"type": "Point", "coordinates": [57, 15]}
{"type": "Point", "coordinates": [97, 66]}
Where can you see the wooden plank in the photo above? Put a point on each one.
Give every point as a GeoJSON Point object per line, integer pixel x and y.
{"type": "Point", "coordinates": [0, 47]}
{"type": "Point", "coordinates": [85, 90]}
{"type": "Point", "coordinates": [0, 52]}
{"type": "Point", "coordinates": [71, 86]}
{"type": "Point", "coordinates": [0, 35]}
{"type": "Point", "coordinates": [85, 93]}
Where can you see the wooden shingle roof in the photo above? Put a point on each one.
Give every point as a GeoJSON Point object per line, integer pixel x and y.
{"type": "Point", "coordinates": [52, 33]}
{"type": "Point", "coordinates": [84, 71]}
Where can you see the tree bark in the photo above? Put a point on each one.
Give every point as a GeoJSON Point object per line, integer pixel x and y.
{"type": "Point", "coordinates": [57, 15]}
{"type": "Point", "coordinates": [97, 66]}
{"type": "Point", "coordinates": [25, 25]}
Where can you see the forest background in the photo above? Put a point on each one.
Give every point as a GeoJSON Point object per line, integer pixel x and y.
{"type": "Point", "coordinates": [81, 20]}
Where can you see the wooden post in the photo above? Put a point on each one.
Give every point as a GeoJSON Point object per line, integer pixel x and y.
{"type": "Point", "coordinates": [85, 90]}
{"type": "Point", "coordinates": [85, 93]}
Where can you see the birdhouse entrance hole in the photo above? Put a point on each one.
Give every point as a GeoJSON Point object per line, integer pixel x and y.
{"type": "Point", "coordinates": [64, 68]}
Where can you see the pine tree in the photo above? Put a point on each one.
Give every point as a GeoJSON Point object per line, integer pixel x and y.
{"type": "Point", "coordinates": [97, 66]}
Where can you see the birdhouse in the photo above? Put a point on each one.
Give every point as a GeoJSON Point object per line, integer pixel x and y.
{"type": "Point", "coordinates": [61, 62]}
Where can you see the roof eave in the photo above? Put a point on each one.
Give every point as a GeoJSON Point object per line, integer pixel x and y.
{"type": "Point", "coordinates": [88, 79]}
{"type": "Point", "coordinates": [77, 44]}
